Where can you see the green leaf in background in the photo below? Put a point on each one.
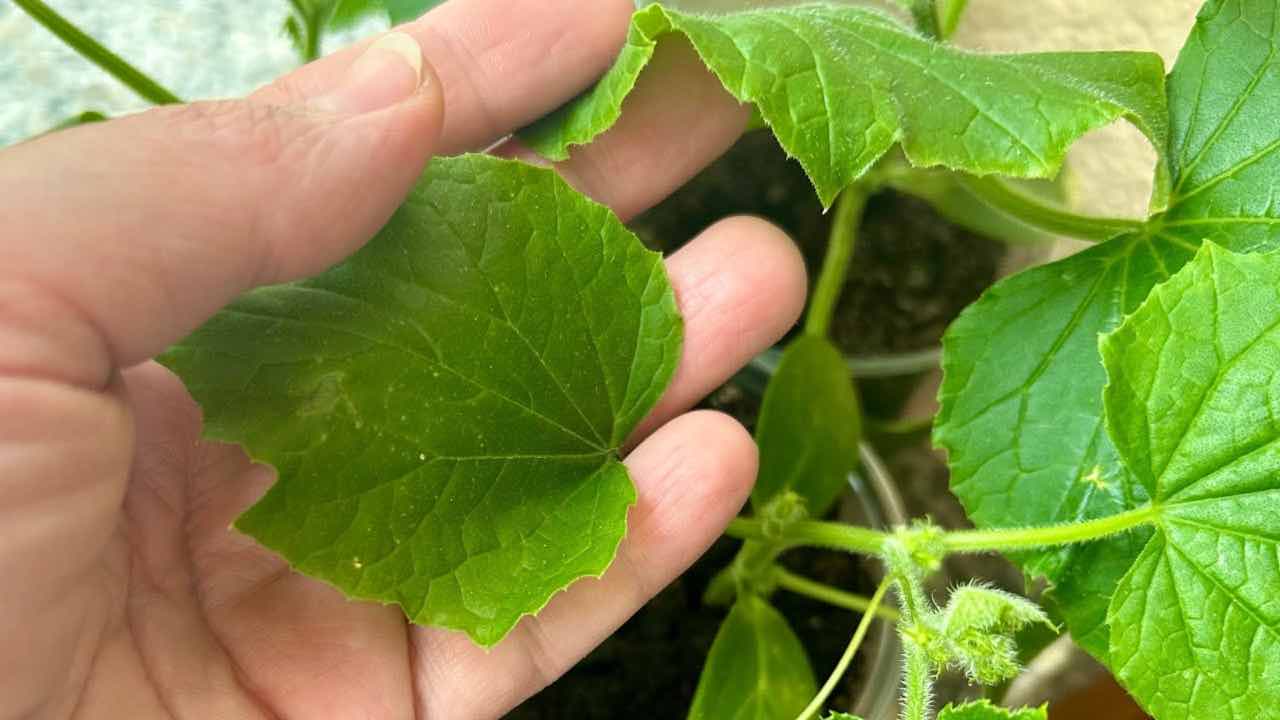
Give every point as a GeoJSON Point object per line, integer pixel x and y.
{"type": "Point", "coordinates": [1193, 406]}
{"type": "Point", "coordinates": [403, 11]}
{"type": "Point", "coordinates": [841, 85]}
{"type": "Point", "coordinates": [348, 13]}
{"type": "Point", "coordinates": [445, 408]}
{"type": "Point", "coordinates": [984, 710]}
{"type": "Point", "coordinates": [1021, 401]}
{"type": "Point", "coordinates": [809, 426]}
{"type": "Point", "coordinates": [756, 670]}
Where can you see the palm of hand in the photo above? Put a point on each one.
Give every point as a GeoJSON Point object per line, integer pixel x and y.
{"type": "Point", "coordinates": [125, 593]}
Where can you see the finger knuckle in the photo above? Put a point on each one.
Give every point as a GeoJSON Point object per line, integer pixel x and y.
{"type": "Point", "coordinates": [254, 135]}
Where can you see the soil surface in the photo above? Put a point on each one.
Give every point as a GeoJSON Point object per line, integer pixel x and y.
{"type": "Point", "coordinates": [912, 274]}
{"type": "Point", "coordinates": [912, 271]}
{"type": "Point", "coordinates": [649, 668]}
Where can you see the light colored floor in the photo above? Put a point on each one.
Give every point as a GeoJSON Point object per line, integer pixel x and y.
{"type": "Point", "coordinates": [196, 48]}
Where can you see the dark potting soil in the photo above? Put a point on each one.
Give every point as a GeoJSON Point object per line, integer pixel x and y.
{"type": "Point", "coordinates": [911, 275]}
{"type": "Point", "coordinates": [649, 669]}
{"type": "Point", "coordinates": [912, 270]}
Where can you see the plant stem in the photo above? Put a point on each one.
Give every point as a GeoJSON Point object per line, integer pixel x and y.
{"type": "Point", "coordinates": [881, 366]}
{"type": "Point", "coordinates": [999, 195]}
{"type": "Point", "coordinates": [94, 52]}
{"type": "Point", "coordinates": [801, 585]}
{"type": "Point", "coordinates": [314, 31]}
{"type": "Point", "coordinates": [1036, 537]}
{"type": "Point", "coordinates": [925, 13]}
{"type": "Point", "coordinates": [855, 642]}
{"type": "Point", "coordinates": [835, 266]}
{"type": "Point", "coordinates": [949, 17]}
{"type": "Point", "coordinates": [908, 575]}
{"type": "Point", "coordinates": [907, 426]}
{"type": "Point", "coordinates": [837, 536]}
{"type": "Point", "coordinates": [917, 686]}
{"type": "Point", "coordinates": [866, 541]}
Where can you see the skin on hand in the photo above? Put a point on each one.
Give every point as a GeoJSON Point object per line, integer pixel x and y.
{"type": "Point", "coordinates": [124, 593]}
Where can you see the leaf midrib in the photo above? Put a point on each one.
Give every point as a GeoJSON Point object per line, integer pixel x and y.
{"type": "Point", "coordinates": [384, 343]}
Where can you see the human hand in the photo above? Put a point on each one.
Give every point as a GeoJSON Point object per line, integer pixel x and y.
{"type": "Point", "coordinates": [122, 591]}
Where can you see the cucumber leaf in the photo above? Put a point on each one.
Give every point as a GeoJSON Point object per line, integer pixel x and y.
{"type": "Point", "coordinates": [1021, 402]}
{"type": "Point", "coordinates": [809, 427]}
{"type": "Point", "coordinates": [445, 408]}
{"type": "Point", "coordinates": [756, 670]}
{"type": "Point", "coordinates": [984, 710]}
{"type": "Point", "coordinates": [840, 85]}
{"type": "Point", "coordinates": [1193, 406]}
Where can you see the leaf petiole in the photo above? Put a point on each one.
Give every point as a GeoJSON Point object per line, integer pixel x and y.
{"type": "Point", "coordinates": [855, 642]}
{"type": "Point", "coordinates": [1000, 195]}
{"type": "Point", "coordinates": [865, 541]}
{"type": "Point", "coordinates": [970, 541]}
{"type": "Point", "coordinates": [836, 536]}
{"type": "Point", "coordinates": [821, 592]}
{"type": "Point", "coordinates": [835, 266]}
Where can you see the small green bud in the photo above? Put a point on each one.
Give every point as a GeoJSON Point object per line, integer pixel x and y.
{"type": "Point", "coordinates": [781, 513]}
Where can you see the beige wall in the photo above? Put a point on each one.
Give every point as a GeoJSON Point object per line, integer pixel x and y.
{"type": "Point", "coordinates": [1111, 168]}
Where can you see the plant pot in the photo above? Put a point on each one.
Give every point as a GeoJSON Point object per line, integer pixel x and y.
{"type": "Point", "coordinates": [874, 501]}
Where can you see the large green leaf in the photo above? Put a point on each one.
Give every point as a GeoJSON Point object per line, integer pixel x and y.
{"type": "Point", "coordinates": [984, 710]}
{"type": "Point", "coordinates": [809, 426]}
{"type": "Point", "coordinates": [840, 85]}
{"type": "Point", "coordinates": [445, 408]}
{"type": "Point", "coordinates": [756, 670]}
{"type": "Point", "coordinates": [1193, 406]}
{"type": "Point", "coordinates": [1021, 400]}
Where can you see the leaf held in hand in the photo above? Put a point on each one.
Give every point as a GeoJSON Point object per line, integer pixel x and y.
{"type": "Point", "coordinates": [445, 408]}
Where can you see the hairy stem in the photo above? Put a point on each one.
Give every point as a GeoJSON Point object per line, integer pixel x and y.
{"type": "Point", "coordinates": [842, 666]}
{"type": "Point", "coordinates": [917, 682]}
{"type": "Point", "coordinates": [1038, 537]}
{"type": "Point", "coordinates": [999, 195]}
{"type": "Point", "coordinates": [836, 536]}
{"type": "Point", "coordinates": [815, 590]}
{"type": "Point", "coordinates": [865, 541]}
{"type": "Point", "coordinates": [835, 266]}
{"type": "Point", "coordinates": [94, 52]}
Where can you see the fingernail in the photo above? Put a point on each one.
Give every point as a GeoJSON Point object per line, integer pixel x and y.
{"type": "Point", "coordinates": [389, 71]}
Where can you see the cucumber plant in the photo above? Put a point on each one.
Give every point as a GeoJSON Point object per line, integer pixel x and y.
{"type": "Point", "coordinates": [446, 409]}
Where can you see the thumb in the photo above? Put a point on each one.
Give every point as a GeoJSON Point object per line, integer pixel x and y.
{"type": "Point", "coordinates": [124, 236]}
